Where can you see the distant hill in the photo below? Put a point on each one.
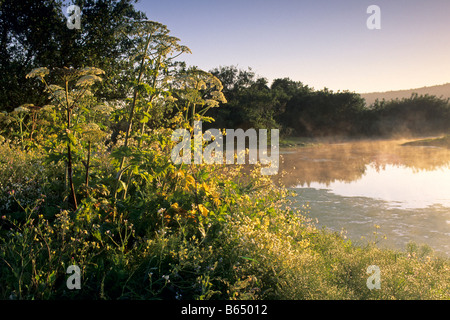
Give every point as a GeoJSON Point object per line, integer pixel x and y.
{"type": "Point", "coordinates": [438, 91]}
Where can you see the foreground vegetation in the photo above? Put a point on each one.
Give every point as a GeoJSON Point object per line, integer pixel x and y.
{"type": "Point", "coordinates": [86, 179]}
{"type": "Point", "coordinates": [196, 233]}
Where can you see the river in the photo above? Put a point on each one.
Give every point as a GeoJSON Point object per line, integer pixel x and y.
{"type": "Point", "coordinates": [400, 192]}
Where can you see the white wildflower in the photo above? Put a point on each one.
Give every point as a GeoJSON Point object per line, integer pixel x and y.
{"type": "Point", "coordinates": [103, 108]}
{"type": "Point", "coordinates": [38, 72]}
{"type": "Point", "coordinates": [212, 103]}
{"type": "Point", "coordinates": [87, 80]}
{"type": "Point", "coordinates": [218, 96]}
{"type": "Point", "coordinates": [23, 108]}
{"type": "Point", "coordinates": [47, 108]}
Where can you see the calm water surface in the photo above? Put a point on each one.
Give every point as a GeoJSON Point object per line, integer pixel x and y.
{"type": "Point", "coordinates": [354, 186]}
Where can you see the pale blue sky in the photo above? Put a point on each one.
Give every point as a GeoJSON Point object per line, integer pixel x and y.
{"type": "Point", "coordinates": [323, 43]}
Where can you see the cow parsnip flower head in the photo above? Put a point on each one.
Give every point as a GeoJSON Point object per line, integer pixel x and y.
{"type": "Point", "coordinates": [216, 83]}
{"type": "Point", "coordinates": [201, 85]}
{"type": "Point", "coordinates": [47, 108]}
{"type": "Point", "coordinates": [91, 70]}
{"type": "Point", "coordinates": [87, 80]}
{"type": "Point", "coordinates": [103, 108]}
{"type": "Point", "coordinates": [37, 72]}
{"type": "Point", "coordinates": [92, 132]}
{"type": "Point", "coordinates": [89, 127]}
{"type": "Point", "coordinates": [218, 96]}
{"type": "Point", "coordinates": [23, 108]}
{"type": "Point", "coordinates": [212, 103]}
{"type": "Point", "coordinates": [54, 88]}
{"type": "Point", "coordinates": [185, 49]}
{"type": "Point", "coordinates": [170, 99]}
{"type": "Point", "coordinates": [86, 92]}
{"type": "Point", "coordinates": [60, 95]}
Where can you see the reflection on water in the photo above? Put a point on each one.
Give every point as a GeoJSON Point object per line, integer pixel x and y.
{"type": "Point", "coordinates": [399, 186]}
{"type": "Point", "coordinates": [404, 190]}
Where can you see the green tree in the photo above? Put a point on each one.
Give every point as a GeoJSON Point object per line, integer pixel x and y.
{"type": "Point", "coordinates": [251, 103]}
{"type": "Point", "coordinates": [422, 114]}
{"type": "Point", "coordinates": [35, 34]}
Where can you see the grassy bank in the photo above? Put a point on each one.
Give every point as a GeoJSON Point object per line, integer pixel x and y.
{"type": "Point", "coordinates": [289, 142]}
{"type": "Point", "coordinates": [442, 142]}
{"type": "Point", "coordinates": [208, 235]}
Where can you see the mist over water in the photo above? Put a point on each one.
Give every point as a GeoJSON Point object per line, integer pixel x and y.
{"type": "Point", "coordinates": [356, 185]}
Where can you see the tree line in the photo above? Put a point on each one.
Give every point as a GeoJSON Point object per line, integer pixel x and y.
{"type": "Point", "coordinates": [299, 110]}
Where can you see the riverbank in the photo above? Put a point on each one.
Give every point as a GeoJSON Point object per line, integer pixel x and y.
{"type": "Point", "coordinates": [441, 142]}
{"type": "Point", "coordinates": [294, 141]}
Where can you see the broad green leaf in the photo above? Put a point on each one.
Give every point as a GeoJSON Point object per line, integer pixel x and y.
{"type": "Point", "coordinates": [71, 138]}
{"type": "Point", "coordinates": [123, 186]}
{"type": "Point", "coordinates": [144, 120]}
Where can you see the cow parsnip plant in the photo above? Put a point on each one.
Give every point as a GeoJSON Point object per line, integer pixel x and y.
{"type": "Point", "coordinates": [71, 99]}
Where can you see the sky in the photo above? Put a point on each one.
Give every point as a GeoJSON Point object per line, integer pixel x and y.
{"type": "Point", "coordinates": [322, 43]}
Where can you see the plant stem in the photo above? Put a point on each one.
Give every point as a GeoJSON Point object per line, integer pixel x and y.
{"type": "Point", "coordinates": [157, 67]}
{"type": "Point", "coordinates": [131, 114]}
{"type": "Point", "coordinates": [87, 163]}
{"type": "Point", "coordinates": [21, 131]}
{"type": "Point", "coordinates": [133, 104]}
{"type": "Point", "coordinates": [69, 153]}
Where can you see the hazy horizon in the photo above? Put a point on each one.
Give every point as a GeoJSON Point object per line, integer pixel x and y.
{"type": "Point", "coordinates": [439, 91]}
